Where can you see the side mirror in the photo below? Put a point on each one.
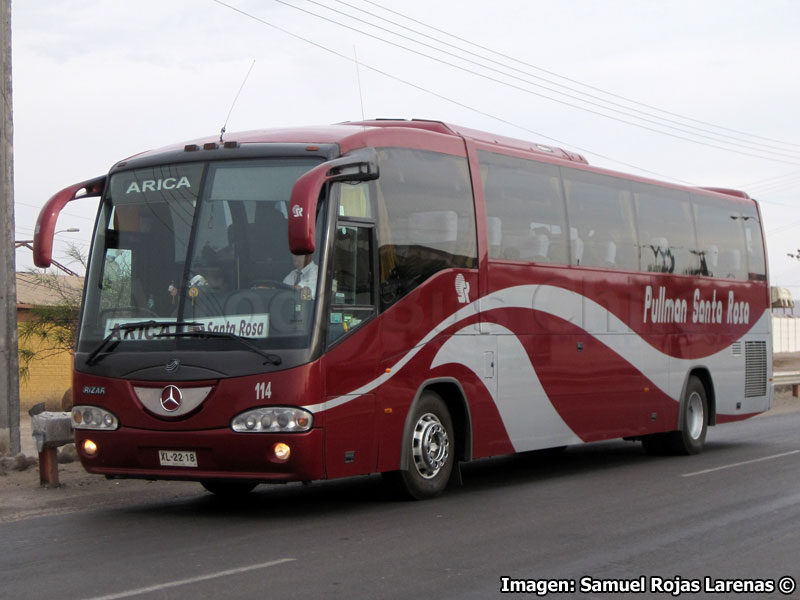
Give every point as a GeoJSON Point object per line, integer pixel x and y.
{"type": "Point", "coordinates": [46, 223]}
{"type": "Point", "coordinates": [360, 165]}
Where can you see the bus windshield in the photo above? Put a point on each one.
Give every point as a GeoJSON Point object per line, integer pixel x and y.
{"type": "Point", "coordinates": [199, 247]}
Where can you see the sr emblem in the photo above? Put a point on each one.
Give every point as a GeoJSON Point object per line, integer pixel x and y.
{"type": "Point", "coordinates": [462, 289]}
{"type": "Point", "coordinates": [171, 398]}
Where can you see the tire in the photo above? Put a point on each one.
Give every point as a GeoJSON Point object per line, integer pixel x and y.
{"type": "Point", "coordinates": [429, 447]}
{"type": "Point", "coordinates": [229, 489]}
{"type": "Point", "coordinates": [691, 437]}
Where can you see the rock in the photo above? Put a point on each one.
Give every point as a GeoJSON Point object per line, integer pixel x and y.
{"type": "Point", "coordinates": [66, 401]}
{"type": "Point", "coordinates": [67, 454]}
{"type": "Point", "coordinates": [20, 462]}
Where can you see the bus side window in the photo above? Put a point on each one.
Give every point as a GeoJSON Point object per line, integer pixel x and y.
{"type": "Point", "coordinates": [525, 210]}
{"type": "Point", "coordinates": [600, 208]}
{"type": "Point", "coordinates": [352, 291]}
{"type": "Point", "coordinates": [426, 219]}
{"type": "Point", "coordinates": [754, 243]}
{"type": "Point", "coordinates": [666, 230]}
{"type": "Point", "coordinates": [722, 238]}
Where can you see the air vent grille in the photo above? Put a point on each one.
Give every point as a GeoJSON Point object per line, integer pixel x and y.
{"type": "Point", "coordinates": [755, 383]}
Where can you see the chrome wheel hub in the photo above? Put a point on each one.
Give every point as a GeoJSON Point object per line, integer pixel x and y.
{"type": "Point", "coordinates": [430, 446]}
{"type": "Point", "coordinates": [694, 416]}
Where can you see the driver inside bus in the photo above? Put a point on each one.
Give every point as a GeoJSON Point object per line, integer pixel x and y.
{"type": "Point", "coordinates": [304, 275]}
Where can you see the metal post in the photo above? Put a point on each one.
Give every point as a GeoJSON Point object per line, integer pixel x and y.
{"type": "Point", "coordinates": [48, 468]}
{"type": "Point", "coordinates": [9, 361]}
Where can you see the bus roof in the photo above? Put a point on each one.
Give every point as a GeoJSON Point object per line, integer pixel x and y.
{"type": "Point", "coordinates": [358, 134]}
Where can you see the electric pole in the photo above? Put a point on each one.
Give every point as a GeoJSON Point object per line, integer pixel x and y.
{"type": "Point", "coordinates": [9, 373]}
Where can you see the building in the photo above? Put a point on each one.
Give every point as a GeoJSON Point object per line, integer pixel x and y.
{"type": "Point", "coordinates": [50, 373]}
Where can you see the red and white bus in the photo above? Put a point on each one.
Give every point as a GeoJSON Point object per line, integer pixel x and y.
{"type": "Point", "coordinates": [398, 297]}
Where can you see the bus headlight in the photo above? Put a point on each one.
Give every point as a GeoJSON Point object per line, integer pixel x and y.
{"type": "Point", "coordinates": [93, 417]}
{"type": "Point", "coordinates": [273, 419]}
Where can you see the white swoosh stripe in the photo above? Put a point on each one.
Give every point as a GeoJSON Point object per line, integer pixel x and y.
{"type": "Point", "coordinates": [530, 419]}
{"type": "Point", "coordinates": [666, 372]}
{"type": "Point", "coordinates": [461, 314]}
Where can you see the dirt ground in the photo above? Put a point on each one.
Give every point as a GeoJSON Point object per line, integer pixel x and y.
{"type": "Point", "coordinates": [22, 497]}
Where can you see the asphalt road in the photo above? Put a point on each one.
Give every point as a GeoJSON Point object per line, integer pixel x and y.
{"type": "Point", "coordinates": [603, 511]}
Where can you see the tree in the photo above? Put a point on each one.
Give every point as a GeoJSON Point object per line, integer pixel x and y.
{"type": "Point", "coordinates": [52, 327]}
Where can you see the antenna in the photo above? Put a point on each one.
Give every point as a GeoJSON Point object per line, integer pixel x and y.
{"type": "Point", "coordinates": [358, 77]}
{"type": "Point", "coordinates": [224, 125]}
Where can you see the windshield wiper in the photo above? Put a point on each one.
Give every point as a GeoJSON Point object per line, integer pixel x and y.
{"type": "Point", "coordinates": [271, 358]}
{"type": "Point", "coordinates": [94, 357]}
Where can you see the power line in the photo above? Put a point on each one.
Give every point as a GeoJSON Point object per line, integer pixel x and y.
{"type": "Point", "coordinates": [84, 217]}
{"type": "Point", "coordinates": [469, 107]}
{"type": "Point", "coordinates": [777, 187]}
{"type": "Point", "coordinates": [575, 81]}
{"type": "Point", "coordinates": [778, 184]}
{"type": "Point", "coordinates": [783, 228]}
{"type": "Point", "coordinates": [784, 176]}
{"type": "Point", "coordinates": [593, 99]}
{"type": "Point", "coordinates": [446, 98]}
{"type": "Point", "coordinates": [531, 92]}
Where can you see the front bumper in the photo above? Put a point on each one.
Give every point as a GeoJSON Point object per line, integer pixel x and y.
{"type": "Point", "coordinates": [221, 454]}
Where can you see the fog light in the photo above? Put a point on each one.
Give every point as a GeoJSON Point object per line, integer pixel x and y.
{"type": "Point", "coordinates": [282, 451]}
{"type": "Point", "coordinates": [89, 448]}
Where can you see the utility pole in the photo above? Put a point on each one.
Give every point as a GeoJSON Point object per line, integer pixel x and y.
{"type": "Point", "coordinates": [9, 365]}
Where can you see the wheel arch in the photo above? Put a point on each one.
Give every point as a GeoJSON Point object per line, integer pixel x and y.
{"type": "Point", "coordinates": [704, 375]}
{"type": "Point", "coordinates": [454, 398]}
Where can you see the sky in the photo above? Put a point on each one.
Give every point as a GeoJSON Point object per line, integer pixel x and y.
{"type": "Point", "coordinates": [698, 92]}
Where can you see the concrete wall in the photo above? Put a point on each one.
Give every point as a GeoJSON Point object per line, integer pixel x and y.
{"type": "Point", "coordinates": [48, 379]}
{"type": "Point", "coordinates": [785, 334]}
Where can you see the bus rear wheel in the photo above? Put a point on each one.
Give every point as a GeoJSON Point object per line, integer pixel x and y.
{"type": "Point", "coordinates": [691, 437]}
{"type": "Point", "coordinates": [429, 447]}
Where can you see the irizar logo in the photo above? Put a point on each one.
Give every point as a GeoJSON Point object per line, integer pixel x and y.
{"type": "Point", "coordinates": [94, 390]}
{"type": "Point", "coordinates": [462, 289]}
{"type": "Point", "coordinates": [156, 185]}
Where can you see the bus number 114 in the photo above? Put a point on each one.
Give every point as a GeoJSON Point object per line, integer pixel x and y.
{"type": "Point", "coordinates": [263, 390]}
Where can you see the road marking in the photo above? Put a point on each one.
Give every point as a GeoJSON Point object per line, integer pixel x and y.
{"type": "Point", "coordinates": [739, 464]}
{"type": "Point", "coordinates": [172, 584]}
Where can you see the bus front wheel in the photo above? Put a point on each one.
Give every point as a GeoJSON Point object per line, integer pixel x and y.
{"type": "Point", "coordinates": [428, 448]}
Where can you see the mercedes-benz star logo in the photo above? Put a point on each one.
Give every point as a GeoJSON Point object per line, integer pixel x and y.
{"type": "Point", "coordinates": [171, 398]}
